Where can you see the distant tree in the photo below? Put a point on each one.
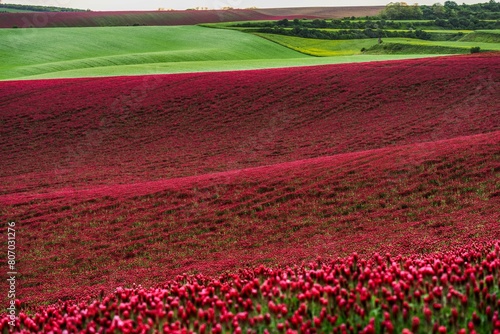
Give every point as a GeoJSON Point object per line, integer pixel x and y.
{"type": "Point", "coordinates": [283, 23]}
{"type": "Point", "coordinates": [493, 6]}
{"type": "Point", "coordinates": [475, 49]}
{"type": "Point", "coordinates": [35, 8]}
{"type": "Point", "coordinates": [420, 34]}
{"type": "Point", "coordinates": [438, 10]}
{"type": "Point", "coordinates": [401, 11]}
{"type": "Point", "coordinates": [451, 4]}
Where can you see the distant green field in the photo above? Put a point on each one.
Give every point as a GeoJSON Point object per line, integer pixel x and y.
{"type": "Point", "coordinates": [451, 44]}
{"type": "Point", "coordinates": [216, 66]}
{"type": "Point", "coordinates": [11, 10]}
{"type": "Point", "coordinates": [47, 51]}
{"type": "Point", "coordinates": [80, 52]}
{"type": "Point", "coordinates": [484, 36]}
{"type": "Point", "coordinates": [406, 48]}
{"type": "Point", "coordinates": [321, 47]}
{"type": "Point", "coordinates": [329, 48]}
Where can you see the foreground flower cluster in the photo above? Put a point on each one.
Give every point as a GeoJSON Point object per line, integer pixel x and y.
{"type": "Point", "coordinates": [453, 292]}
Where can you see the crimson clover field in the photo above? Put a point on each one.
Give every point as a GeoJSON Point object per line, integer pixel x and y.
{"type": "Point", "coordinates": [353, 198]}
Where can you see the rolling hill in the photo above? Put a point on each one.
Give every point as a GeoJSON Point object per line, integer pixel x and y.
{"type": "Point", "coordinates": [115, 51]}
{"type": "Point", "coordinates": [178, 17]}
{"type": "Point", "coordinates": [486, 41]}
{"type": "Point", "coordinates": [138, 179]}
{"type": "Point", "coordinates": [323, 12]}
{"type": "Point", "coordinates": [43, 52]}
{"type": "Point", "coordinates": [183, 124]}
{"type": "Point", "coordinates": [126, 18]}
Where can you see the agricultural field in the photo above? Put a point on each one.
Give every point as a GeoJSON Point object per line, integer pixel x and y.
{"type": "Point", "coordinates": [171, 18]}
{"type": "Point", "coordinates": [111, 51]}
{"type": "Point", "coordinates": [60, 49]}
{"type": "Point", "coordinates": [458, 44]}
{"type": "Point", "coordinates": [107, 48]}
{"type": "Point", "coordinates": [330, 38]}
{"type": "Point", "coordinates": [65, 17]}
{"type": "Point", "coordinates": [362, 47]}
{"type": "Point", "coordinates": [106, 19]}
{"type": "Point", "coordinates": [140, 188]}
{"type": "Point", "coordinates": [310, 170]}
{"type": "Point", "coordinates": [397, 29]}
{"type": "Point", "coordinates": [322, 12]}
{"type": "Point", "coordinates": [390, 46]}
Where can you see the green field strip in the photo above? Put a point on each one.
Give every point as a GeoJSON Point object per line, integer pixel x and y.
{"type": "Point", "coordinates": [114, 51]}
{"type": "Point", "coordinates": [213, 66]}
{"type": "Point", "coordinates": [26, 52]}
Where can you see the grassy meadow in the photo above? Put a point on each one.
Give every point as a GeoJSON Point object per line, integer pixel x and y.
{"type": "Point", "coordinates": [113, 51]}
{"type": "Point", "coordinates": [403, 46]}
{"type": "Point", "coordinates": [40, 52]}
{"type": "Point", "coordinates": [321, 47]}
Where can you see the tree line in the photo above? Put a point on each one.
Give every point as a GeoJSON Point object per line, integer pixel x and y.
{"type": "Point", "coordinates": [345, 34]}
{"type": "Point", "coordinates": [35, 8]}
{"type": "Point", "coordinates": [452, 23]}
{"type": "Point", "coordinates": [450, 10]}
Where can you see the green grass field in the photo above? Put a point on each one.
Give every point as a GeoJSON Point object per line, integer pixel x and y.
{"type": "Point", "coordinates": [408, 46]}
{"type": "Point", "coordinates": [215, 66]}
{"type": "Point", "coordinates": [321, 47]}
{"type": "Point", "coordinates": [81, 52]}
{"type": "Point", "coordinates": [450, 44]}
{"type": "Point", "coordinates": [28, 52]}
{"type": "Point", "coordinates": [483, 36]}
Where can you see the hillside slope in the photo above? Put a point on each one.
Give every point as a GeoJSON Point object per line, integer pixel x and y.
{"type": "Point", "coordinates": [323, 12]}
{"type": "Point", "coordinates": [105, 131]}
{"type": "Point", "coordinates": [171, 18]}
{"type": "Point", "coordinates": [118, 51]}
{"type": "Point", "coordinates": [421, 198]}
{"type": "Point", "coordinates": [128, 18]}
{"type": "Point", "coordinates": [482, 36]}
{"type": "Point", "coordinates": [45, 51]}
{"type": "Point", "coordinates": [135, 180]}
